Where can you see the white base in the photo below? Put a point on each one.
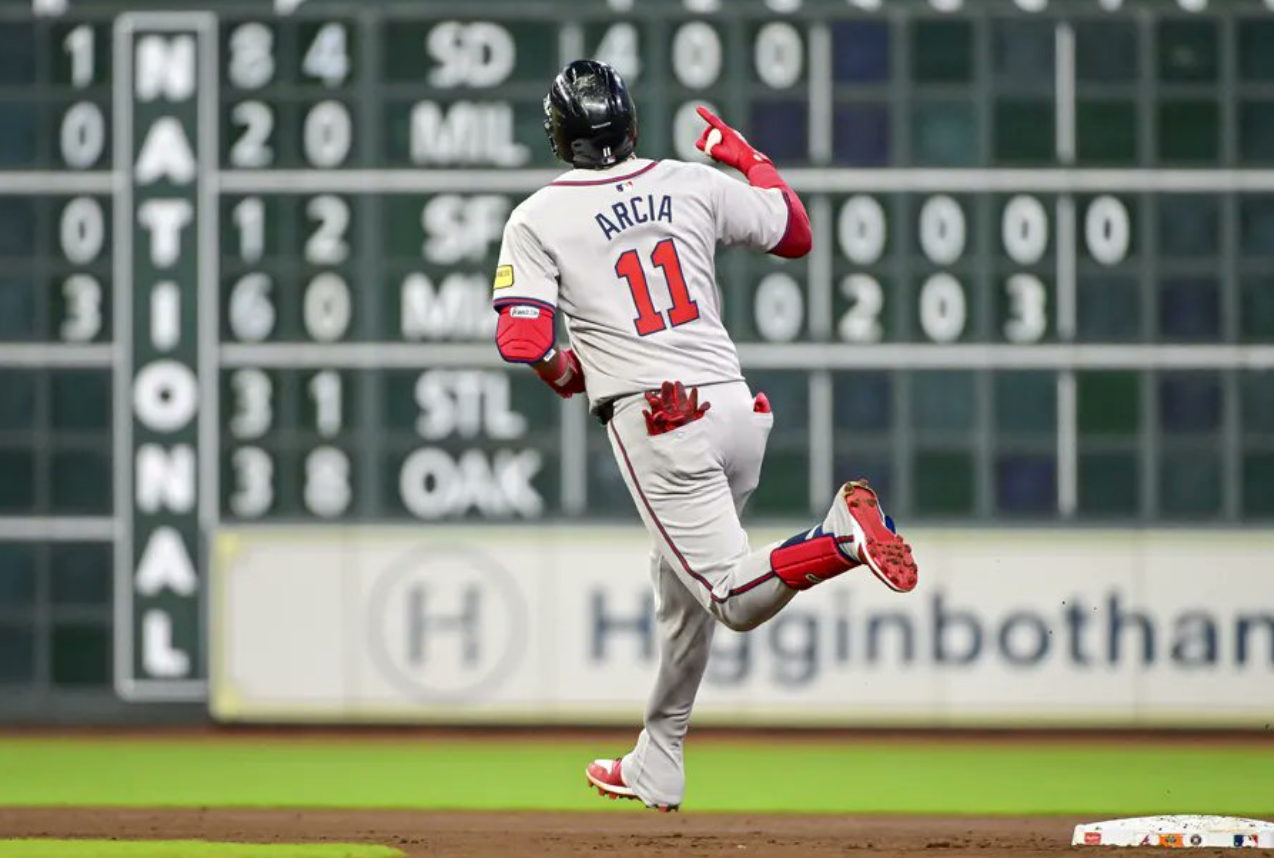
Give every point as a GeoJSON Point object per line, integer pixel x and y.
{"type": "Point", "coordinates": [1186, 831]}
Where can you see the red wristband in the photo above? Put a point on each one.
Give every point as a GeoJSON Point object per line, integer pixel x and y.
{"type": "Point", "coordinates": [763, 174]}
{"type": "Point", "coordinates": [561, 371]}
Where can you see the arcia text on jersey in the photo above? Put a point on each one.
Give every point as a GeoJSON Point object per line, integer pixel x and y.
{"type": "Point", "coordinates": [634, 211]}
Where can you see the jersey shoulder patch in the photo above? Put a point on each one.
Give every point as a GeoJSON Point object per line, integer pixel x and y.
{"type": "Point", "coordinates": [503, 277]}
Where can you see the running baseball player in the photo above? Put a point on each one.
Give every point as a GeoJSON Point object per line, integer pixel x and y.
{"type": "Point", "coordinates": [623, 248]}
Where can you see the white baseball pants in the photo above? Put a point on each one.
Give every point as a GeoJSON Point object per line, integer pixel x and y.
{"type": "Point", "coordinates": [690, 486]}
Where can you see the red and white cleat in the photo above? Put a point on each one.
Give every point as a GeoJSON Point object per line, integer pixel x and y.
{"type": "Point", "coordinates": [857, 511]}
{"type": "Point", "coordinates": [606, 777]}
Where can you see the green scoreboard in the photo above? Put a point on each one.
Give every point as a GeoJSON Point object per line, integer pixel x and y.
{"type": "Point", "coordinates": [246, 251]}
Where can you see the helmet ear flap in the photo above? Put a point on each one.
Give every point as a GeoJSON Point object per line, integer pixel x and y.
{"type": "Point", "coordinates": [548, 127]}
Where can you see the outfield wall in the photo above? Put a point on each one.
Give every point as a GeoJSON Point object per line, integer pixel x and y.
{"type": "Point", "coordinates": [1022, 628]}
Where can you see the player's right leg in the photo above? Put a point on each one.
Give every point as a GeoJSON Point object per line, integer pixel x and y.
{"type": "Point", "coordinates": [872, 538]}
{"type": "Point", "coordinates": [681, 489]}
{"type": "Point", "coordinates": [680, 485]}
{"type": "Point", "coordinates": [855, 532]}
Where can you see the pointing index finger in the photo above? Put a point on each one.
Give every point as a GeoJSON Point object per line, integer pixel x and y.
{"type": "Point", "coordinates": [709, 117]}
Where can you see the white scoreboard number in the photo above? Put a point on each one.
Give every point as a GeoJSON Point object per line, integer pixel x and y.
{"type": "Point", "coordinates": [82, 137]}
{"type": "Point", "coordinates": [458, 233]}
{"type": "Point", "coordinates": [942, 305]}
{"type": "Point", "coordinates": [327, 129]}
{"type": "Point", "coordinates": [326, 488]}
{"type": "Point", "coordinates": [81, 240]}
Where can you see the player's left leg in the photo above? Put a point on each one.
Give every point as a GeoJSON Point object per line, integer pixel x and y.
{"type": "Point", "coordinates": [654, 770]}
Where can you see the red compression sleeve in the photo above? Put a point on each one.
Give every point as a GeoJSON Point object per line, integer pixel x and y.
{"type": "Point", "coordinates": [798, 238]}
{"type": "Point", "coordinates": [524, 333]}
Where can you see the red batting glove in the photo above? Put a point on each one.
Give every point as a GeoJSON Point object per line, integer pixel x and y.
{"type": "Point", "coordinates": [722, 143]}
{"type": "Point", "coordinates": [671, 407]}
{"type": "Point", "coordinates": [561, 371]}
{"type": "Point", "coordinates": [728, 146]}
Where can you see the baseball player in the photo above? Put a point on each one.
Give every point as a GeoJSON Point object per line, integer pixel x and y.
{"type": "Point", "coordinates": [623, 248]}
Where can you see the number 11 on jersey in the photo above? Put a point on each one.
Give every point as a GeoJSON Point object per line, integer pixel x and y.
{"type": "Point", "coordinates": [649, 320]}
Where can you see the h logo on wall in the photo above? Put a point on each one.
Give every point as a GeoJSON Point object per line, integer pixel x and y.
{"type": "Point", "coordinates": [446, 625]}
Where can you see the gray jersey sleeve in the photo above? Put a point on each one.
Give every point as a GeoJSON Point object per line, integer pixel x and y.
{"type": "Point", "coordinates": [526, 273]}
{"type": "Point", "coordinates": [748, 216]}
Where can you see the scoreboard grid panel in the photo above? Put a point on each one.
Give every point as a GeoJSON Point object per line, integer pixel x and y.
{"type": "Point", "coordinates": [951, 425]}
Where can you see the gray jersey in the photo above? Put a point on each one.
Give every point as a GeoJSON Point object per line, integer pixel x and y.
{"type": "Point", "coordinates": [627, 254]}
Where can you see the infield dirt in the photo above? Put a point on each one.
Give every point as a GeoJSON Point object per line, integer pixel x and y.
{"type": "Point", "coordinates": [604, 831]}
{"type": "Point", "coordinates": [629, 835]}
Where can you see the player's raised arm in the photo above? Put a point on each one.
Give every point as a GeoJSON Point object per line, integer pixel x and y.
{"type": "Point", "coordinates": [749, 218]}
{"type": "Point", "coordinates": [525, 296]}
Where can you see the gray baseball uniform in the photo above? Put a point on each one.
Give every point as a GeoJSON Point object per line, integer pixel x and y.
{"type": "Point", "coordinates": [627, 255]}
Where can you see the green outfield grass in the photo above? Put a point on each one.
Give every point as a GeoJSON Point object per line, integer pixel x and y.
{"type": "Point", "coordinates": [894, 776]}
{"type": "Point", "coordinates": [185, 849]}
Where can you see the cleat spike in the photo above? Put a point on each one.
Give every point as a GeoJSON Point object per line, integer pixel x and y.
{"type": "Point", "coordinates": [881, 550]}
